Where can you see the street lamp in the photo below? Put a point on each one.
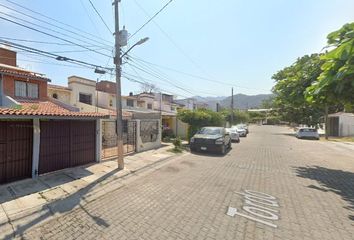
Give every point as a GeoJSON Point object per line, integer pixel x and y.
{"type": "Point", "coordinates": [141, 41]}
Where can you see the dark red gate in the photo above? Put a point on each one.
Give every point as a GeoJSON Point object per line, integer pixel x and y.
{"type": "Point", "coordinates": [15, 150]}
{"type": "Point", "coordinates": [66, 143]}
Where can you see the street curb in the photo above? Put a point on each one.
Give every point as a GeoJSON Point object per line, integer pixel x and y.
{"type": "Point", "coordinates": [51, 210]}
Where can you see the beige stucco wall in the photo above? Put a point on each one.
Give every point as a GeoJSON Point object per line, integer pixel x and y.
{"type": "Point", "coordinates": [81, 85]}
{"type": "Point", "coordinates": [148, 100]}
{"type": "Point", "coordinates": [180, 129]}
{"type": "Point", "coordinates": [63, 95]}
{"type": "Point", "coordinates": [140, 146]}
{"type": "Point", "coordinates": [103, 100]}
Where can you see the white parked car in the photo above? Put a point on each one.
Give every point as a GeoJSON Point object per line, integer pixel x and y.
{"type": "Point", "coordinates": [306, 132]}
{"type": "Point", "coordinates": [241, 131]}
{"type": "Point", "coordinates": [235, 137]}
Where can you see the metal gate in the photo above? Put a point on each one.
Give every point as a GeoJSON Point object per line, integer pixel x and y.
{"type": "Point", "coordinates": [109, 138]}
{"type": "Point", "coordinates": [129, 136]}
{"type": "Point", "coordinates": [333, 126]}
{"type": "Point", "coordinates": [66, 143]}
{"type": "Point", "coordinates": [15, 150]}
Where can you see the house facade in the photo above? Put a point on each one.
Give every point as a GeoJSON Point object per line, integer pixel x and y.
{"type": "Point", "coordinates": [62, 94]}
{"type": "Point", "coordinates": [37, 134]}
{"type": "Point", "coordinates": [91, 96]}
{"type": "Point", "coordinates": [168, 106]}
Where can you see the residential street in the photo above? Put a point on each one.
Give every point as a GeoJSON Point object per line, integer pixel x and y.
{"type": "Point", "coordinates": [312, 181]}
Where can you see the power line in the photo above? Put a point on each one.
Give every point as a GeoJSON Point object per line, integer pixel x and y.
{"type": "Point", "coordinates": [192, 94]}
{"type": "Point", "coordinates": [50, 24]}
{"type": "Point", "coordinates": [154, 75]}
{"type": "Point", "coordinates": [89, 17]}
{"type": "Point", "coordinates": [150, 19]}
{"type": "Point", "coordinates": [51, 35]}
{"type": "Point", "coordinates": [51, 55]}
{"type": "Point", "coordinates": [73, 51]}
{"type": "Point", "coordinates": [43, 62]}
{"type": "Point", "coordinates": [66, 35]}
{"type": "Point", "coordinates": [57, 21]}
{"type": "Point", "coordinates": [49, 43]}
{"type": "Point", "coordinates": [168, 79]}
{"type": "Point", "coordinates": [93, 6]}
{"type": "Point", "coordinates": [171, 40]}
{"type": "Point", "coordinates": [192, 75]}
{"type": "Point", "coordinates": [132, 78]}
{"type": "Point", "coordinates": [143, 82]}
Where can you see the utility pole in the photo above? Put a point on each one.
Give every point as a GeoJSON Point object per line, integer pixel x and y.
{"type": "Point", "coordinates": [326, 122]}
{"type": "Point", "coordinates": [232, 106]}
{"type": "Point", "coordinates": [118, 62]}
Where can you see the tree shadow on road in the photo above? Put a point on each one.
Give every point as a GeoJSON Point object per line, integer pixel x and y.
{"type": "Point", "coordinates": [331, 180]}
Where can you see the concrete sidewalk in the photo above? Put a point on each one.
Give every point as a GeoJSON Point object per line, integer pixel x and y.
{"type": "Point", "coordinates": [26, 203]}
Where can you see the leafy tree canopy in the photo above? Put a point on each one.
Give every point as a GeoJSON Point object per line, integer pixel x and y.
{"type": "Point", "coordinates": [290, 89]}
{"type": "Point", "coordinates": [200, 118]}
{"type": "Point", "coordinates": [336, 82]}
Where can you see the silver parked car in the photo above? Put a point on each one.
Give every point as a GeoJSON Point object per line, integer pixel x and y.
{"type": "Point", "coordinates": [235, 137]}
{"type": "Point", "coordinates": [306, 132]}
{"type": "Point", "coordinates": [241, 131]}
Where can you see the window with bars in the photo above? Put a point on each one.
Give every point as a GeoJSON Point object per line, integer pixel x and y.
{"type": "Point", "coordinates": [130, 103]}
{"type": "Point", "coordinates": [26, 90]}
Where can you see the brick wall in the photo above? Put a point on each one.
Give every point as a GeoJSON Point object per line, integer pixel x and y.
{"type": "Point", "coordinates": [9, 87]}
{"type": "Point", "coordinates": [106, 86]}
{"type": "Point", "coordinates": [7, 57]}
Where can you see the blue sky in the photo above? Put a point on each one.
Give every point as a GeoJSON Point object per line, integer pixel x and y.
{"type": "Point", "coordinates": [240, 43]}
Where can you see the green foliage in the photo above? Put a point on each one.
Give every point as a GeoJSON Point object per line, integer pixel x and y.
{"type": "Point", "coordinates": [268, 103]}
{"type": "Point", "coordinates": [290, 89]}
{"type": "Point", "coordinates": [336, 82]}
{"type": "Point", "coordinates": [200, 118]}
{"type": "Point", "coordinates": [17, 107]}
{"type": "Point", "coordinates": [256, 116]}
{"type": "Point", "coordinates": [167, 133]}
{"type": "Point", "coordinates": [239, 116]}
{"type": "Point", "coordinates": [177, 142]}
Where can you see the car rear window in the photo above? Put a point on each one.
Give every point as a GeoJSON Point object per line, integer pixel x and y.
{"type": "Point", "coordinates": [308, 130]}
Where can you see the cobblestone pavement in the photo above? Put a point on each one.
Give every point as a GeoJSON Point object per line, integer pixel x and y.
{"type": "Point", "coordinates": [313, 183]}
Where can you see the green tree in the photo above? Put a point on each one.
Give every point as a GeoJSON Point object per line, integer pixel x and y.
{"type": "Point", "coordinates": [200, 118]}
{"type": "Point", "coordinates": [335, 85]}
{"type": "Point", "coordinates": [290, 89]}
{"type": "Point", "coordinates": [239, 116]}
{"type": "Point", "coordinates": [268, 103]}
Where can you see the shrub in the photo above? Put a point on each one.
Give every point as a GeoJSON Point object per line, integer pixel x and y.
{"type": "Point", "coordinates": [177, 142]}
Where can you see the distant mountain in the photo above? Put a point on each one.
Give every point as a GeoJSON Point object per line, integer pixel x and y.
{"type": "Point", "coordinates": [211, 101]}
{"type": "Point", "coordinates": [241, 101]}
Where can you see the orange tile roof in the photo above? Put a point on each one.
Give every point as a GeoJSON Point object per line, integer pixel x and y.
{"type": "Point", "coordinates": [45, 109]}
{"type": "Point", "coordinates": [17, 72]}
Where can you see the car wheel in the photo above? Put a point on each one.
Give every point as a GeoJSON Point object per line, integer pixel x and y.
{"type": "Point", "coordinates": [223, 150]}
{"type": "Point", "coordinates": [238, 141]}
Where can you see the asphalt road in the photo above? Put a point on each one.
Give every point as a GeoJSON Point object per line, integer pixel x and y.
{"type": "Point", "coordinates": [270, 186]}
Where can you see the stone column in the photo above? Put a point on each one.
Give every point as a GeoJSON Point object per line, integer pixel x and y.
{"type": "Point", "coordinates": [36, 147]}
